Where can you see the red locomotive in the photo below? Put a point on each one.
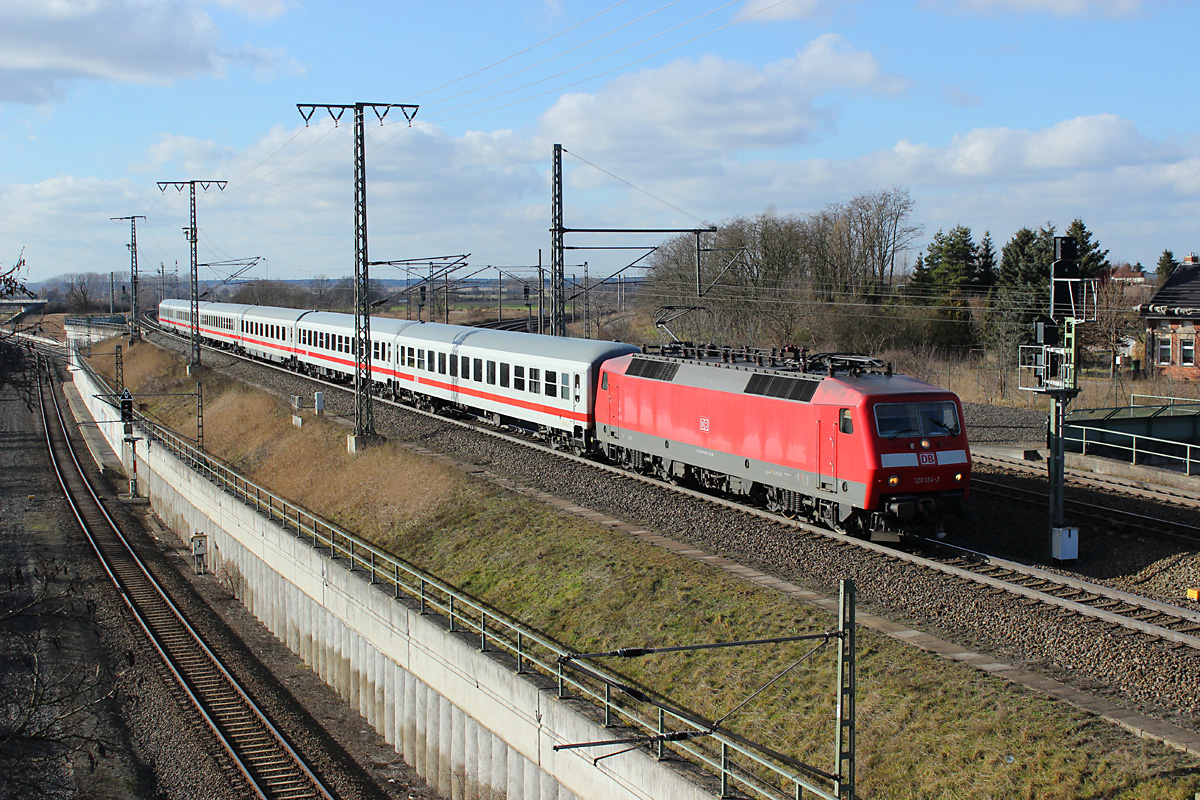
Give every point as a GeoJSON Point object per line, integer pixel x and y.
{"type": "Point", "coordinates": [835, 439]}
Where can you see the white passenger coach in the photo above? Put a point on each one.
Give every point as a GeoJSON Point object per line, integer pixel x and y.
{"type": "Point", "coordinates": [542, 383]}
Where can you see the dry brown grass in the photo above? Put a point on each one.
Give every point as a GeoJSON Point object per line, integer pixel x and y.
{"type": "Point", "coordinates": [927, 728]}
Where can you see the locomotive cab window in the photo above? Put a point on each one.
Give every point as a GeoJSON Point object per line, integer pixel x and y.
{"type": "Point", "coordinates": [845, 424]}
{"type": "Point", "coordinates": [939, 418]}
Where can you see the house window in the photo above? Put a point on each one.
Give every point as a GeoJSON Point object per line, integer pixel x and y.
{"type": "Point", "coordinates": [1164, 350]}
{"type": "Point", "coordinates": [1187, 352]}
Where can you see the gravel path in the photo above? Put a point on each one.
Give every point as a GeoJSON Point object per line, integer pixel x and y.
{"type": "Point", "coordinates": [1133, 670]}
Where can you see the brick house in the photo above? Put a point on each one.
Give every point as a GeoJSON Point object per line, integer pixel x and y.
{"type": "Point", "coordinates": [1173, 323]}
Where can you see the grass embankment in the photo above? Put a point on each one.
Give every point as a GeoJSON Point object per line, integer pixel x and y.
{"type": "Point", "coordinates": [926, 728]}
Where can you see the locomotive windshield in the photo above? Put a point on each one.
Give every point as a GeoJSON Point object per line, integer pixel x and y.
{"type": "Point", "coordinates": [893, 420]}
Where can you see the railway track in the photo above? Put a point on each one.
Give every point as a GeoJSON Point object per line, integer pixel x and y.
{"type": "Point", "coordinates": [1177, 625]}
{"type": "Point", "coordinates": [272, 769]}
{"type": "Point", "coordinates": [1165, 494]}
{"type": "Point", "coordinates": [1111, 606]}
{"type": "Point", "coordinates": [1079, 509]}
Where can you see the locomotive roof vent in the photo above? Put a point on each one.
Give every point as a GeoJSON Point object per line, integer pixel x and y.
{"type": "Point", "coordinates": [652, 368]}
{"type": "Point", "coordinates": [781, 386]}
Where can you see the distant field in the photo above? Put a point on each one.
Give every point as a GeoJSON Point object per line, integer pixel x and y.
{"type": "Point", "coordinates": [926, 727]}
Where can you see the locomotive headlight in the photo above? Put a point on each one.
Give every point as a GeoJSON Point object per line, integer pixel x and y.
{"type": "Point", "coordinates": [894, 480]}
{"type": "Point", "coordinates": [925, 444]}
{"type": "Point", "coordinates": [958, 477]}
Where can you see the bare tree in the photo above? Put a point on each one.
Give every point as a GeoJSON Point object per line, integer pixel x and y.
{"type": "Point", "coordinates": [49, 700]}
{"type": "Point", "coordinates": [770, 279]}
{"type": "Point", "coordinates": [1116, 322]}
{"type": "Point", "coordinates": [320, 287]}
{"type": "Point", "coordinates": [999, 324]}
{"type": "Point", "coordinates": [82, 289]}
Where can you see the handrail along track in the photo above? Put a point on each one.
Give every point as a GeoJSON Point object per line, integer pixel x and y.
{"type": "Point", "coordinates": [736, 760]}
{"type": "Point", "coordinates": [261, 754]}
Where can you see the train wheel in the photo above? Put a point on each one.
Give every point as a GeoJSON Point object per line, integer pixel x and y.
{"type": "Point", "coordinates": [774, 500]}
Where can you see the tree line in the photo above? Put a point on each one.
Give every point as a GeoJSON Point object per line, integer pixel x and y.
{"type": "Point", "coordinates": [839, 279]}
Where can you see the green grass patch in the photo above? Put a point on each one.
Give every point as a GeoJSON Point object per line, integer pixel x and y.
{"type": "Point", "coordinates": [926, 727]}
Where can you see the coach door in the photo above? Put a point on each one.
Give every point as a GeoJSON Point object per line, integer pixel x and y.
{"type": "Point", "coordinates": [827, 430]}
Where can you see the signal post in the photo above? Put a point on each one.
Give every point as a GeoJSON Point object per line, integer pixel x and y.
{"type": "Point", "coordinates": [1050, 368]}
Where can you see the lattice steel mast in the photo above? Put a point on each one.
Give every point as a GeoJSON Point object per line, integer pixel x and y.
{"type": "Point", "coordinates": [364, 414]}
{"type": "Point", "coordinates": [190, 233]}
{"type": "Point", "coordinates": [135, 329]}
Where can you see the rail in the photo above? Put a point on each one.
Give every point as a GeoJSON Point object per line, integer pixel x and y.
{"type": "Point", "coordinates": [1136, 448]}
{"type": "Point", "coordinates": [733, 760]}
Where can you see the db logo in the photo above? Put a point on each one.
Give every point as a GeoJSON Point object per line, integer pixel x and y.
{"type": "Point", "coordinates": [704, 423]}
{"type": "Point", "coordinates": [926, 459]}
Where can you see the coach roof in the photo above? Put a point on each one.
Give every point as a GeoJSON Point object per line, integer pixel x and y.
{"type": "Point", "coordinates": [513, 343]}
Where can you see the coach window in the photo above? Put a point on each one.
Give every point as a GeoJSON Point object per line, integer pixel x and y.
{"type": "Point", "coordinates": [577, 385]}
{"type": "Point", "coordinates": [565, 393]}
{"type": "Point", "coordinates": [503, 375]}
{"type": "Point", "coordinates": [846, 425]}
{"type": "Point", "coordinates": [519, 378]}
{"type": "Point", "coordinates": [491, 373]}
{"type": "Point", "coordinates": [453, 366]}
{"type": "Point", "coordinates": [421, 359]}
{"type": "Point", "coordinates": [535, 380]}
{"type": "Point", "coordinates": [478, 369]}
{"type": "Point", "coordinates": [432, 362]}
{"type": "Point", "coordinates": [442, 363]}
{"type": "Point", "coordinates": [551, 383]}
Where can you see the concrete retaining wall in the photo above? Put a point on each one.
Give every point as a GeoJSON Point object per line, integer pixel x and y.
{"type": "Point", "coordinates": [461, 718]}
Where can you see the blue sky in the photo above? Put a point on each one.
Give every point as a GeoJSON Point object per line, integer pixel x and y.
{"type": "Point", "coordinates": [994, 114]}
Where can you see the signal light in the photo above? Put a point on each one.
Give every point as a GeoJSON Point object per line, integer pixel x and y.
{"type": "Point", "coordinates": [127, 407]}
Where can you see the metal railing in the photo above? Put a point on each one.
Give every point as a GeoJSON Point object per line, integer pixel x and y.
{"type": "Point", "coordinates": [1135, 448]}
{"type": "Point", "coordinates": [730, 759]}
{"type": "Point", "coordinates": [1171, 401]}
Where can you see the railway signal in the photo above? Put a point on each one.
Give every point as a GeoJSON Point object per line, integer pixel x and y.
{"type": "Point", "coordinates": [1050, 367]}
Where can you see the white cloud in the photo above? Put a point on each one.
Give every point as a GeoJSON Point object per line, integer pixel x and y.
{"type": "Point", "coordinates": [690, 111]}
{"type": "Point", "coordinates": [777, 10]}
{"type": "Point", "coordinates": [46, 44]}
{"type": "Point", "coordinates": [1061, 8]}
